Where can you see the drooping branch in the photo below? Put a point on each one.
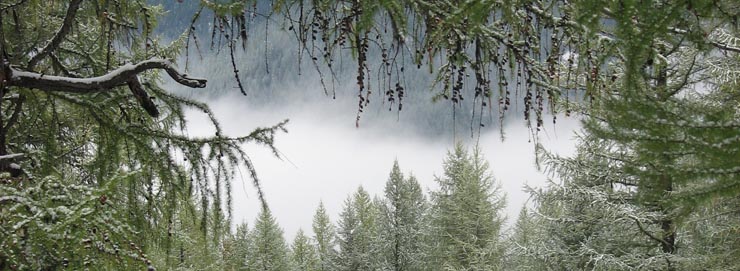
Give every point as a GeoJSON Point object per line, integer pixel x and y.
{"type": "Point", "coordinates": [69, 19]}
{"type": "Point", "coordinates": [142, 97]}
{"type": "Point", "coordinates": [236, 70]}
{"type": "Point", "coordinates": [712, 39]}
{"type": "Point", "coordinates": [117, 77]}
{"type": "Point", "coordinates": [644, 231]}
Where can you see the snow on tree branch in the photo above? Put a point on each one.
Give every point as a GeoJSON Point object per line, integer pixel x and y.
{"type": "Point", "coordinates": [117, 77]}
{"type": "Point", "coordinates": [12, 156]}
{"type": "Point", "coordinates": [69, 19]}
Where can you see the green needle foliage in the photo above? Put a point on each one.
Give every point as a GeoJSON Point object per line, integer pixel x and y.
{"type": "Point", "coordinates": [357, 233]}
{"type": "Point", "coordinates": [100, 170]}
{"type": "Point", "coordinates": [324, 238]}
{"type": "Point", "coordinates": [303, 253]}
{"type": "Point", "coordinates": [401, 222]}
{"type": "Point", "coordinates": [466, 215]}
{"type": "Point", "coordinates": [97, 169]}
{"type": "Point", "coordinates": [269, 251]}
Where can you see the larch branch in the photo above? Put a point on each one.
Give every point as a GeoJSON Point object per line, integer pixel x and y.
{"type": "Point", "coordinates": [650, 235]}
{"type": "Point", "coordinates": [117, 77]}
{"type": "Point", "coordinates": [142, 97]}
{"type": "Point", "coordinates": [69, 19]}
{"type": "Point", "coordinates": [725, 47]}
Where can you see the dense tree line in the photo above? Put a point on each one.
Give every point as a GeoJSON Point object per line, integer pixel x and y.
{"type": "Point", "coordinates": [459, 227]}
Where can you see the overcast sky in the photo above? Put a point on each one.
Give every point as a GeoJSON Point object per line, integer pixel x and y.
{"type": "Point", "coordinates": [326, 158]}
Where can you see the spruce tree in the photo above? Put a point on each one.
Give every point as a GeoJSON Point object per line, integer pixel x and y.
{"type": "Point", "coordinates": [324, 238]}
{"type": "Point", "coordinates": [357, 234]}
{"type": "Point", "coordinates": [401, 213]}
{"type": "Point", "coordinates": [346, 229]}
{"type": "Point", "coordinates": [236, 248]}
{"type": "Point", "coordinates": [303, 254]}
{"type": "Point", "coordinates": [269, 251]}
{"type": "Point", "coordinates": [466, 215]}
{"type": "Point", "coordinates": [526, 233]}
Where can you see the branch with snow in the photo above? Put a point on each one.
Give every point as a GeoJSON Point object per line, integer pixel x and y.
{"type": "Point", "coordinates": [12, 156]}
{"type": "Point", "coordinates": [11, 5]}
{"type": "Point", "coordinates": [14, 169]}
{"type": "Point", "coordinates": [69, 19]}
{"type": "Point", "coordinates": [644, 231]}
{"type": "Point", "coordinates": [725, 47]}
{"type": "Point", "coordinates": [117, 77]}
{"type": "Point", "coordinates": [722, 39]}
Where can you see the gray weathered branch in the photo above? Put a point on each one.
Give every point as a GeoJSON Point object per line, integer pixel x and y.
{"type": "Point", "coordinates": [117, 77]}
{"type": "Point", "coordinates": [142, 97]}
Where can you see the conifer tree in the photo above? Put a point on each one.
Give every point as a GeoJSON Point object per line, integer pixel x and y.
{"type": "Point", "coordinates": [324, 238]}
{"type": "Point", "coordinates": [236, 248]}
{"type": "Point", "coordinates": [346, 229]}
{"type": "Point", "coordinates": [526, 233]}
{"type": "Point", "coordinates": [303, 254]}
{"type": "Point", "coordinates": [401, 213]}
{"type": "Point", "coordinates": [466, 215]}
{"type": "Point", "coordinates": [269, 251]}
{"type": "Point", "coordinates": [85, 122]}
{"type": "Point", "coordinates": [655, 150]}
{"type": "Point", "coordinates": [357, 234]}
{"type": "Point", "coordinates": [87, 132]}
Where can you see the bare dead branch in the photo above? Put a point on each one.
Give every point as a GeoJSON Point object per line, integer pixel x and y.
{"type": "Point", "coordinates": [69, 18]}
{"type": "Point", "coordinates": [117, 77]}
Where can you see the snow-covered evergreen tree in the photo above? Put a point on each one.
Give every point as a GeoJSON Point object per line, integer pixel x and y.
{"type": "Point", "coordinates": [591, 218]}
{"type": "Point", "coordinates": [625, 199]}
{"type": "Point", "coordinates": [525, 234]}
{"type": "Point", "coordinates": [659, 143]}
{"type": "Point", "coordinates": [303, 254]}
{"type": "Point", "coordinates": [84, 119]}
{"type": "Point", "coordinates": [401, 218]}
{"type": "Point", "coordinates": [357, 233]}
{"type": "Point", "coordinates": [346, 228]}
{"type": "Point", "coordinates": [466, 217]}
{"type": "Point", "coordinates": [324, 239]}
{"type": "Point", "coordinates": [269, 251]}
{"type": "Point", "coordinates": [236, 247]}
